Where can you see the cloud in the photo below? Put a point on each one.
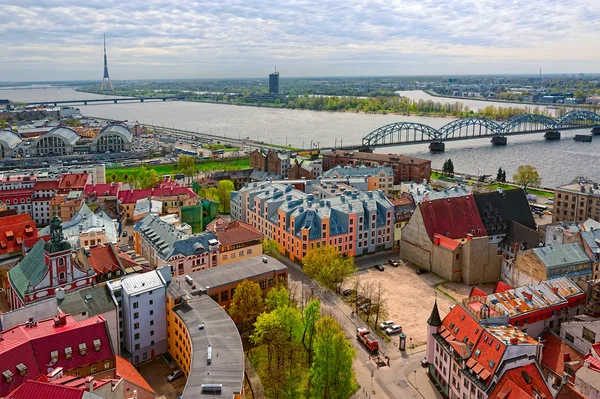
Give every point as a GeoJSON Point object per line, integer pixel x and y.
{"type": "Point", "coordinates": [46, 39]}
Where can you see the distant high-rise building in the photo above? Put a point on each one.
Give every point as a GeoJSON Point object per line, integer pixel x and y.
{"type": "Point", "coordinates": [274, 83]}
{"type": "Point", "coordinates": [106, 83]}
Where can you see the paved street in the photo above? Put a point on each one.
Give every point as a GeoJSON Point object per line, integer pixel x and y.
{"type": "Point", "coordinates": [395, 382]}
{"type": "Point", "coordinates": [380, 258]}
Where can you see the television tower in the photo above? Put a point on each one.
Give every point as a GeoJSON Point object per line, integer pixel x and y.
{"type": "Point", "coordinates": [106, 83]}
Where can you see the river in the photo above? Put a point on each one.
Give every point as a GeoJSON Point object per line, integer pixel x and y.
{"type": "Point", "coordinates": [558, 162]}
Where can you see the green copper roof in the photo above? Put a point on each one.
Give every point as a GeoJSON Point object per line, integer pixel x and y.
{"type": "Point", "coordinates": [31, 269]}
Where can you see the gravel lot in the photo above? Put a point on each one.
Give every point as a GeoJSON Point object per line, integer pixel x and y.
{"type": "Point", "coordinates": [410, 297]}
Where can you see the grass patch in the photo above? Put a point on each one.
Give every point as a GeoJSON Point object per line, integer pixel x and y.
{"type": "Point", "coordinates": [171, 169]}
{"type": "Point", "coordinates": [439, 286]}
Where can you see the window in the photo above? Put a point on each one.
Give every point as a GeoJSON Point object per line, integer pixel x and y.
{"type": "Point", "coordinates": [150, 302]}
{"type": "Point", "coordinates": [151, 332]}
{"type": "Point", "coordinates": [22, 369]}
{"type": "Point", "coordinates": [135, 305]}
{"type": "Point", "coordinates": [588, 335]}
{"type": "Point", "coordinates": [136, 336]}
{"type": "Point", "coordinates": [151, 322]}
{"type": "Point", "coordinates": [569, 338]}
{"type": "Point", "coordinates": [145, 356]}
{"type": "Point", "coordinates": [466, 383]}
{"type": "Point", "coordinates": [136, 315]}
{"type": "Point", "coordinates": [137, 347]}
{"type": "Point", "coordinates": [151, 312]}
{"type": "Point", "coordinates": [136, 326]}
{"type": "Point", "coordinates": [92, 369]}
{"type": "Point", "coordinates": [225, 295]}
{"type": "Point", "coordinates": [263, 284]}
{"type": "Point", "coordinates": [106, 365]}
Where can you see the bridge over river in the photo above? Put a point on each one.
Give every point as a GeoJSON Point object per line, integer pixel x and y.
{"type": "Point", "coordinates": [404, 133]}
{"type": "Point", "coordinates": [114, 100]}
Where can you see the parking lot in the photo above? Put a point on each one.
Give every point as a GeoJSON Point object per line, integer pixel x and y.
{"type": "Point", "coordinates": [410, 297]}
{"type": "Point", "coordinates": [156, 372]}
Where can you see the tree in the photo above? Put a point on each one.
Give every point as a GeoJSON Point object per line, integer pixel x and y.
{"type": "Point", "coordinates": [310, 316]}
{"type": "Point", "coordinates": [247, 302]}
{"type": "Point", "coordinates": [278, 297]}
{"type": "Point", "coordinates": [269, 331]}
{"type": "Point", "coordinates": [503, 176]}
{"type": "Point", "coordinates": [147, 178]}
{"type": "Point", "coordinates": [527, 175]}
{"type": "Point", "coordinates": [185, 161]}
{"type": "Point", "coordinates": [224, 190]}
{"type": "Point", "coordinates": [270, 247]}
{"type": "Point", "coordinates": [379, 302]}
{"type": "Point", "coordinates": [331, 375]}
{"type": "Point", "coordinates": [72, 122]}
{"type": "Point", "coordinates": [499, 175]}
{"type": "Point", "coordinates": [328, 266]}
{"type": "Point", "coordinates": [450, 169]}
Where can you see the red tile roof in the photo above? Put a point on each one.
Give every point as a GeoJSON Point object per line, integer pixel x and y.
{"type": "Point", "coordinates": [477, 292]}
{"type": "Point", "coordinates": [455, 217]}
{"type": "Point", "coordinates": [45, 390]}
{"type": "Point", "coordinates": [568, 392]}
{"type": "Point", "coordinates": [445, 242]}
{"type": "Point", "coordinates": [238, 232]}
{"type": "Point", "coordinates": [459, 324]}
{"type": "Point", "coordinates": [132, 196]}
{"type": "Point", "coordinates": [501, 287]}
{"type": "Point", "coordinates": [596, 348]}
{"type": "Point", "coordinates": [45, 185]}
{"type": "Point", "coordinates": [16, 231]}
{"type": "Point", "coordinates": [488, 353]}
{"type": "Point", "coordinates": [217, 225]}
{"type": "Point", "coordinates": [594, 363]}
{"type": "Point", "coordinates": [101, 190]}
{"type": "Point", "coordinates": [557, 352]}
{"type": "Point", "coordinates": [73, 181]}
{"type": "Point", "coordinates": [32, 346]}
{"type": "Point", "coordinates": [126, 371]}
{"type": "Point", "coordinates": [519, 383]}
{"type": "Point", "coordinates": [102, 259]}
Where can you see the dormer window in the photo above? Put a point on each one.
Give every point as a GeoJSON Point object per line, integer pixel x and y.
{"type": "Point", "coordinates": [82, 349]}
{"type": "Point", "coordinates": [498, 347]}
{"type": "Point", "coordinates": [8, 376]}
{"type": "Point", "coordinates": [492, 363]}
{"type": "Point", "coordinates": [97, 345]}
{"type": "Point", "coordinates": [477, 352]}
{"type": "Point", "coordinates": [451, 326]}
{"type": "Point", "coordinates": [54, 356]}
{"type": "Point", "coordinates": [22, 369]}
{"type": "Point", "coordinates": [456, 330]}
{"type": "Point", "coordinates": [68, 353]}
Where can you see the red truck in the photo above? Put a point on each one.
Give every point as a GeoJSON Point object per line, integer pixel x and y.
{"type": "Point", "coordinates": [362, 334]}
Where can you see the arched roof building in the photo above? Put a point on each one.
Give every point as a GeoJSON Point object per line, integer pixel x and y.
{"type": "Point", "coordinates": [113, 138]}
{"type": "Point", "coordinates": [8, 141]}
{"type": "Point", "coordinates": [59, 141]}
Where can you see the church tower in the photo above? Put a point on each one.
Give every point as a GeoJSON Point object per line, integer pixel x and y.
{"type": "Point", "coordinates": [432, 327]}
{"type": "Point", "coordinates": [58, 254]}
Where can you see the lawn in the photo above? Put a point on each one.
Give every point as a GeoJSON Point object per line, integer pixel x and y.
{"type": "Point", "coordinates": [223, 147]}
{"type": "Point", "coordinates": [170, 169]}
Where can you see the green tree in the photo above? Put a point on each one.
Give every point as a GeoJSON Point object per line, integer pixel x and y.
{"type": "Point", "coordinates": [278, 297]}
{"type": "Point", "coordinates": [503, 176]}
{"type": "Point", "coordinates": [499, 175]}
{"type": "Point", "coordinates": [269, 331]}
{"type": "Point", "coordinates": [527, 175]}
{"type": "Point", "coordinates": [450, 168]}
{"type": "Point", "coordinates": [331, 375]}
{"type": "Point", "coordinates": [310, 316]}
{"type": "Point", "coordinates": [224, 190]}
{"type": "Point", "coordinates": [247, 302]}
{"type": "Point", "coordinates": [185, 161]}
{"type": "Point", "coordinates": [147, 178]}
{"type": "Point", "coordinates": [72, 122]}
{"type": "Point", "coordinates": [328, 266]}
{"type": "Point", "coordinates": [270, 247]}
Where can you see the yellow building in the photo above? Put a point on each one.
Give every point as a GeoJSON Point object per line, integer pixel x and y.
{"type": "Point", "coordinates": [204, 342]}
{"type": "Point", "coordinates": [238, 240]}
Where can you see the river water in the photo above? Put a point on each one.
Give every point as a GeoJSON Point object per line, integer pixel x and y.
{"type": "Point", "coordinates": [558, 162]}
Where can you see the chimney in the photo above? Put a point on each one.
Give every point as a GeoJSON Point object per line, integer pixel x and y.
{"type": "Point", "coordinates": [514, 341]}
{"type": "Point", "coordinates": [566, 357]}
{"type": "Point", "coordinates": [91, 385]}
{"type": "Point", "coordinates": [62, 319]}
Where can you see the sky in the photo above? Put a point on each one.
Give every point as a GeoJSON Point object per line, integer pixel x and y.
{"type": "Point", "coordinates": [48, 40]}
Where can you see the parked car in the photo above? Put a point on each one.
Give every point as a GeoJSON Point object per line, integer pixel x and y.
{"type": "Point", "coordinates": [379, 267]}
{"type": "Point", "coordinates": [362, 301]}
{"type": "Point", "coordinates": [174, 375]}
{"type": "Point", "coordinates": [395, 329]}
{"type": "Point", "coordinates": [365, 306]}
{"type": "Point", "coordinates": [421, 271]}
{"type": "Point", "coordinates": [394, 262]}
{"type": "Point", "coordinates": [348, 292]}
{"type": "Point", "coordinates": [424, 362]}
{"type": "Point", "coordinates": [386, 324]}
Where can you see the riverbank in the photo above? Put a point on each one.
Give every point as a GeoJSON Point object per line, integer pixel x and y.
{"type": "Point", "coordinates": [497, 100]}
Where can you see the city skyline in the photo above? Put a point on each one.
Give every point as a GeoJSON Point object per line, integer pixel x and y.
{"type": "Point", "coordinates": [43, 41]}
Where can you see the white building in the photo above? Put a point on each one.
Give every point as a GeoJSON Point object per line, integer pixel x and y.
{"type": "Point", "coordinates": [582, 332]}
{"type": "Point", "coordinates": [143, 304]}
{"type": "Point", "coordinates": [43, 192]}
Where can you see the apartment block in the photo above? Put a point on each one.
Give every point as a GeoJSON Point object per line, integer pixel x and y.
{"type": "Point", "coordinates": [355, 223]}
{"type": "Point", "coordinates": [577, 202]}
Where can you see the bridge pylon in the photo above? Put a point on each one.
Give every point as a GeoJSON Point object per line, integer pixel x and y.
{"type": "Point", "coordinates": [499, 140]}
{"type": "Point", "coordinates": [552, 135]}
{"type": "Point", "coordinates": [437, 146]}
